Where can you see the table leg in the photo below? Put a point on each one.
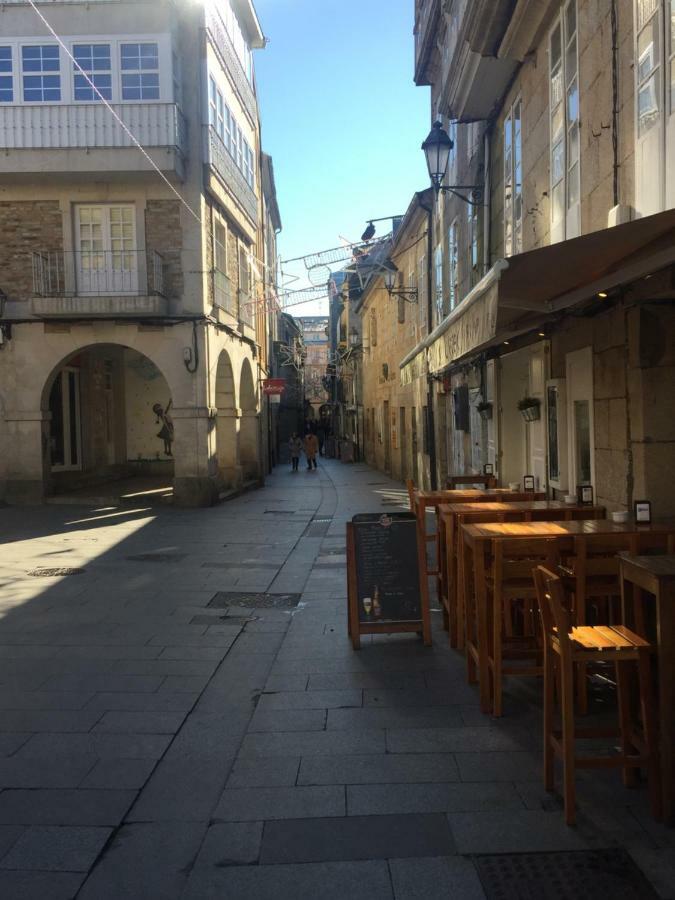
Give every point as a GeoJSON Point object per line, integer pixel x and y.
{"type": "Point", "coordinates": [665, 619]}
{"type": "Point", "coordinates": [482, 639]}
{"type": "Point", "coordinates": [468, 609]}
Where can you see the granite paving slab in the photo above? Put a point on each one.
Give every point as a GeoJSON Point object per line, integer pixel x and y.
{"type": "Point", "coordinates": [362, 837]}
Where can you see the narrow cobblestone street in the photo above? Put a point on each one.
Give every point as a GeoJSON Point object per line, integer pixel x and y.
{"type": "Point", "coordinates": [160, 741]}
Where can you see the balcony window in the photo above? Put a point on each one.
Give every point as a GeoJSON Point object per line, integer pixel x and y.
{"type": "Point", "coordinates": [6, 78]}
{"type": "Point", "coordinates": [226, 127]}
{"type": "Point", "coordinates": [43, 84]}
{"type": "Point", "coordinates": [94, 59]}
{"type": "Point", "coordinates": [564, 125]}
{"type": "Point", "coordinates": [453, 265]}
{"type": "Point", "coordinates": [513, 182]}
{"type": "Point", "coordinates": [140, 71]}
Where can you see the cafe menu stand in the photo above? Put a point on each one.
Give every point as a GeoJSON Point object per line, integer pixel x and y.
{"type": "Point", "coordinates": [357, 627]}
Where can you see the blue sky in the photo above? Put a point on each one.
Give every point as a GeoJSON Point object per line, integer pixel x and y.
{"type": "Point", "coordinates": [341, 117]}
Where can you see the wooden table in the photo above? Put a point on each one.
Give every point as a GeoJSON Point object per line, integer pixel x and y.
{"type": "Point", "coordinates": [451, 516]}
{"type": "Point", "coordinates": [425, 500]}
{"type": "Point", "coordinates": [476, 543]}
{"type": "Point", "coordinates": [655, 575]}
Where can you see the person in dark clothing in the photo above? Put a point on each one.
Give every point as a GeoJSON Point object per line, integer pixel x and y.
{"type": "Point", "coordinates": [295, 446]}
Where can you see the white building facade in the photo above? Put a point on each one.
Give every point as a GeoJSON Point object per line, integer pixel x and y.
{"type": "Point", "coordinates": [132, 274]}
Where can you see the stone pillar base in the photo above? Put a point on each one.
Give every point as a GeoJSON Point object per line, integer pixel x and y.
{"type": "Point", "coordinates": [194, 492]}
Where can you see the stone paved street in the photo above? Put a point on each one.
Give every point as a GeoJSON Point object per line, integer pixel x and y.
{"type": "Point", "coordinates": [154, 744]}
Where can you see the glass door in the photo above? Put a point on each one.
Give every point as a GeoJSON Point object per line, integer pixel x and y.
{"type": "Point", "coordinates": [106, 257]}
{"type": "Point", "coordinates": [65, 443]}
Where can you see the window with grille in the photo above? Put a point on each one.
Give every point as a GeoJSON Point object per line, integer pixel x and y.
{"type": "Point", "coordinates": [41, 64]}
{"type": "Point", "coordinates": [95, 61]}
{"type": "Point", "coordinates": [140, 71]}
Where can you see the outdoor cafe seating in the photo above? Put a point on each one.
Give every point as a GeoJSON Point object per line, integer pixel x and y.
{"type": "Point", "coordinates": [481, 558]}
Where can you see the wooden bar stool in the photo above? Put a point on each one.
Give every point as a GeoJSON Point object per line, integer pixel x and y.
{"type": "Point", "coordinates": [509, 585]}
{"type": "Point", "coordinates": [566, 647]}
{"type": "Point", "coordinates": [594, 571]}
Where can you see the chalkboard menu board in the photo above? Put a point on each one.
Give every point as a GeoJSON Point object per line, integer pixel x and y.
{"type": "Point", "coordinates": [387, 571]}
{"type": "Point", "coordinates": [385, 590]}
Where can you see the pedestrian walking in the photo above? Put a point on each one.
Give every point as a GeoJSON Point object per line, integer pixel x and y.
{"type": "Point", "coordinates": [295, 445]}
{"type": "Point", "coordinates": [311, 449]}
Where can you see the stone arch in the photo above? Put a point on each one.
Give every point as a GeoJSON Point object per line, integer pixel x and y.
{"type": "Point", "coordinates": [227, 434]}
{"type": "Point", "coordinates": [103, 407]}
{"type": "Point", "coordinates": [249, 453]}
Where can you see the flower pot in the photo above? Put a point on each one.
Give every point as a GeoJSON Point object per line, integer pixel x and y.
{"type": "Point", "coordinates": [531, 413]}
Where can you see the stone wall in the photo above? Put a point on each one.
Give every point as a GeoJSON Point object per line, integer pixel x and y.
{"type": "Point", "coordinates": [26, 227]}
{"type": "Point", "coordinates": [164, 234]}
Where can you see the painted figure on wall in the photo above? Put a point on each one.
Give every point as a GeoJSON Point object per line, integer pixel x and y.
{"type": "Point", "coordinates": [166, 431]}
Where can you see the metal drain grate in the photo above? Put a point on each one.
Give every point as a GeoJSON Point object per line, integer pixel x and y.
{"type": "Point", "coordinates": [279, 512]}
{"type": "Point", "coordinates": [317, 528]}
{"type": "Point", "coordinates": [55, 573]}
{"type": "Point", "coordinates": [592, 874]}
{"type": "Point", "coordinates": [249, 600]}
{"type": "Point", "coordinates": [157, 557]}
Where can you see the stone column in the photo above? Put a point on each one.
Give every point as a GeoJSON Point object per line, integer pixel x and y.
{"type": "Point", "coordinates": [227, 447]}
{"type": "Point", "coordinates": [195, 481]}
{"type": "Point", "coordinates": [249, 453]}
{"type": "Point", "coordinates": [25, 449]}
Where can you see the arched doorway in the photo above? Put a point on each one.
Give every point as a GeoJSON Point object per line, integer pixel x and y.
{"type": "Point", "coordinates": [108, 421]}
{"type": "Point", "coordinates": [248, 429]}
{"type": "Point", "coordinates": [229, 471]}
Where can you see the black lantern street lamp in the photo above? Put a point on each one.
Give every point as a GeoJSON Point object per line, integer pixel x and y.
{"type": "Point", "coordinates": [437, 149]}
{"type": "Point", "coordinates": [390, 274]}
{"type": "Point", "coordinates": [354, 337]}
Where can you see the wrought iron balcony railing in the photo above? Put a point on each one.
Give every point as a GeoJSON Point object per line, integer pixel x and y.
{"type": "Point", "coordinates": [97, 273]}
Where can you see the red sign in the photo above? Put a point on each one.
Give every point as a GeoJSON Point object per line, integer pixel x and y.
{"type": "Point", "coordinates": [272, 386]}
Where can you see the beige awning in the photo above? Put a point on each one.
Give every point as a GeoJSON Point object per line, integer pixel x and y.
{"type": "Point", "coordinates": [522, 292]}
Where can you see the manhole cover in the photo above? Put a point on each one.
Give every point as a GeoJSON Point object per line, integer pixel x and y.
{"type": "Point", "coordinates": [592, 874]}
{"type": "Point", "coordinates": [55, 573]}
{"type": "Point", "coordinates": [157, 557]}
{"type": "Point", "coordinates": [224, 599]}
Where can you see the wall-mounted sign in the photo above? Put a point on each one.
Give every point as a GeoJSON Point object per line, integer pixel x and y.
{"type": "Point", "coordinates": [528, 483]}
{"type": "Point", "coordinates": [643, 512]}
{"type": "Point", "coordinates": [273, 386]}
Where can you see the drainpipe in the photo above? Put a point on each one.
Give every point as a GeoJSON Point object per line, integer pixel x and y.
{"type": "Point", "coordinates": [431, 426]}
{"type": "Point", "coordinates": [487, 191]}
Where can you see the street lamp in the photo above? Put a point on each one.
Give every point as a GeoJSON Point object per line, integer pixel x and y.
{"type": "Point", "coordinates": [354, 337]}
{"type": "Point", "coordinates": [437, 148]}
{"type": "Point", "coordinates": [390, 274]}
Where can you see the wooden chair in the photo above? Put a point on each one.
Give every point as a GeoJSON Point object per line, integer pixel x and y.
{"type": "Point", "coordinates": [567, 646]}
{"type": "Point", "coordinates": [510, 590]}
{"type": "Point", "coordinates": [594, 580]}
{"type": "Point", "coordinates": [486, 481]}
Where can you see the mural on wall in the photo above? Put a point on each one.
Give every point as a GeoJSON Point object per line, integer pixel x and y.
{"type": "Point", "coordinates": [144, 389]}
{"type": "Point", "coordinates": [165, 433]}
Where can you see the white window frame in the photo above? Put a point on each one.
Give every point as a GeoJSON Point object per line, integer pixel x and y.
{"type": "Point", "coordinates": [28, 73]}
{"type": "Point", "coordinates": [513, 179]}
{"type": "Point", "coordinates": [140, 71]}
{"type": "Point", "coordinates": [222, 254]}
{"type": "Point", "coordinates": [224, 123]}
{"type": "Point", "coordinates": [563, 87]}
{"type": "Point", "coordinates": [9, 73]}
{"type": "Point", "coordinates": [453, 265]}
{"type": "Point", "coordinates": [438, 282]}
{"type": "Point", "coordinates": [67, 69]}
{"type": "Point", "coordinates": [92, 73]}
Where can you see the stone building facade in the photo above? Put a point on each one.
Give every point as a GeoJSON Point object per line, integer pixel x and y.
{"type": "Point", "coordinates": [137, 259]}
{"type": "Point", "coordinates": [557, 285]}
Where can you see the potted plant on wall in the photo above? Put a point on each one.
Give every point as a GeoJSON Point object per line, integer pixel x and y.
{"type": "Point", "coordinates": [484, 409]}
{"type": "Point", "coordinates": [530, 408]}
